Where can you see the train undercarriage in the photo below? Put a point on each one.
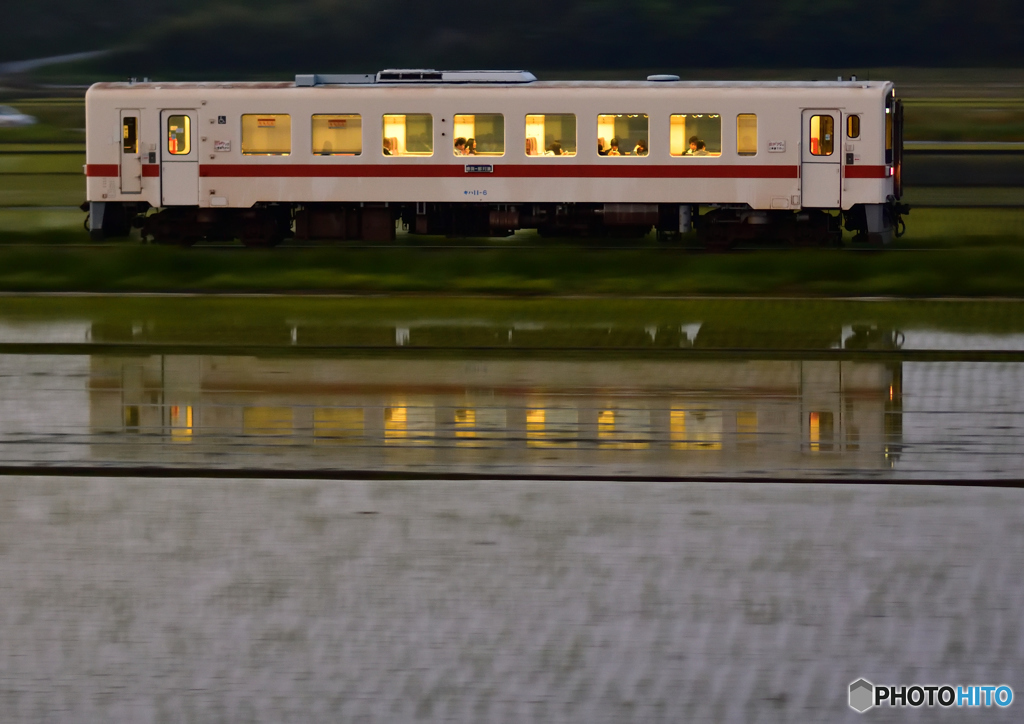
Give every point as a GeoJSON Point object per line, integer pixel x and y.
{"type": "Point", "coordinates": [717, 227]}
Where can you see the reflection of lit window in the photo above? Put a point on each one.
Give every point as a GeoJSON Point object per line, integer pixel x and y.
{"type": "Point", "coordinates": [181, 423]}
{"type": "Point", "coordinates": [395, 422]}
{"type": "Point", "coordinates": [623, 429]}
{"type": "Point", "coordinates": [410, 134]}
{"type": "Point", "coordinates": [821, 431]}
{"type": "Point", "coordinates": [746, 427]}
{"type": "Point", "coordinates": [267, 421]}
{"type": "Point", "coordinates": [131, 418]}
{"type": "Point", "coordinates": [821, 135]}
{"type": "Point", "coordinates": [465, 426]}
{"type": "Point", "coordinates": [551, 134]}
{"type": "Point", "coordinates": [481, 134]}
{"type": "Point", "coordinates": [696, 429]}
{"type": "Point", "coordinates": [337, 424]}
{"type": "Point", "coordinates": [337, 135]}
{"type": "Point", "coordinates": [622, 134]}
{"type": "Point", "coordinates": [746, 134]}
{"type": "Point", "coordinates": [555, 427]}
{"type": "Point", "coordinates": [695, 134]}
{"type": "Point", "coordinates": [409, 424]}
{"type": "Point", "coordinates": [266, 134]}
{"type": "Point", "coordinates": [178, 135]}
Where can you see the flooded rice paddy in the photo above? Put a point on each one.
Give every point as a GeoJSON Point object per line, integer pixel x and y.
{"type": "Point", "coordinates": [666, 390]}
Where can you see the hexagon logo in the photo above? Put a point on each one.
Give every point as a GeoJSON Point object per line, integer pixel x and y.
{"type": "Point", "coordinates": [862, 694]}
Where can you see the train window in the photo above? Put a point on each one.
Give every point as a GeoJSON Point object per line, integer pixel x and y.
{"type": "Point", "coordinates": [480, 134]}
{"type": "Point", "coordinates": [853, 126]}
{"type": "Point", "coordinates": [337, 135]}
{"type": "Point", "coordinates": [130, 134]}
{"type": "Point", "coordinates": [695, 134]}
{"type": "Point", "coordinates": [408, 134]}
{"type": "Point", "coordinates": [178, 135]}
{"type": "Point", "coordinates": [746, 134]}
{"type": "Point", "coordinates": [888, 135]}
{"type": "Point", "coordinates": [822, 135]}
{"type": "Point", "coordinates": [266, 134]}
{"type": "Point", "coordinates": [551, 134]}
{"type": "Point", "coordinates": [623, 134]}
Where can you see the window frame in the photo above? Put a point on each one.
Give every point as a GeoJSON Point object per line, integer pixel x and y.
{"type": "Point", "coordinates": [407, 154]}
{"type": "Point", "coordinates": [819, 137]}
{"type": "Point", "coordinates": [747, 154]}
{"type": "Point", "coordinates": [628, 154]}
{"type": "Point", "coordinates": [685, 154]}
{"type": "Point", "coordinates": [481, 154]}
{"type": "Point", "coordinates": [241, 135]}
{"type": "Point", "coordinates": [188, 135]}
{"type": "Point", "coordinates": [544, 154]}
{"type": "Point", "coordinates": [312, 133]}
{"type": "Point", "coordinates": [853, 120]}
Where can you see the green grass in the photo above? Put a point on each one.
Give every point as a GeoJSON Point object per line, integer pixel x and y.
{"type": "Point", "coordinates": [42, 189]}
{"type": "Point", "coordinates": [966, 271]}
{"type": "Point", "coordinates": [947, 252]}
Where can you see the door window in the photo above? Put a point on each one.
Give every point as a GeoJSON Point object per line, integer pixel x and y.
{"type": "Point", "coordinates": [130, 134]}
{"type": "Point", "coordinates": [178, 134]}
{"type": "Point", "coordinates": [822, 135]}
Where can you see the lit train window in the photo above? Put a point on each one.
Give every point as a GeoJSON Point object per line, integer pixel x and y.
{"type": "Point", "coordinates": [551, 134]}
{"type": "Point", "coordinates": [481, 134]}
{"type": "Point", "coordinates": [408, 134]}
{"type": "Point", "coordinates": [178, 135]}
{"type": "Point", "coordinates": [130, 134]}
{"type": "Point", "coordinates": [853, 126]}
{"type": "Point", "coordinates": [695, 134]}
{"type": "Point", "coordinates": [337, 135]}
{"type": "Point", "coordinates": [266, 134]}
{"type": "Point", "coordinates": [622, 134]}
{"type": "Point", "coordinates": [822, 135]}
{"type": "Point", "coordinates": [746, 134]}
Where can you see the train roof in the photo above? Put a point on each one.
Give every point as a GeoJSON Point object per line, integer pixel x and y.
{"type": "Point", "coordinates": [491, 78]}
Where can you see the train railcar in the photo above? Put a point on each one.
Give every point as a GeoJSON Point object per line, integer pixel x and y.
{"type": "Point", "coordinates": [490, 152]}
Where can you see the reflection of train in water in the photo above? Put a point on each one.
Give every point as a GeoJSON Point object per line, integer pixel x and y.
{"type": "Point", "coordinates": [483, 153]}
{"type": "Point", "coordinates": [525, 415]}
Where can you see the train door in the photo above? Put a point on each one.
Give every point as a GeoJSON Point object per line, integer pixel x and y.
{"type": "Point", "coordinates": [179, 158]}
{"type": "Point", "coordinates": [821, 170]}
{"type": "Point", "coordinates": [131, 160]}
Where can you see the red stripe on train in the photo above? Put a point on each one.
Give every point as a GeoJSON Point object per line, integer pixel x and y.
{"type": "Point", "coordinates": [866, 171]}
{"type": "Point", "coordinates": [149, 170]}
{"type": "Point", "coordinates": [499, 171]}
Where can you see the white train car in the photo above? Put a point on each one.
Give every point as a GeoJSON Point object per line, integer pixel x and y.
{"type": "Point", "coordinates": [489, 152]}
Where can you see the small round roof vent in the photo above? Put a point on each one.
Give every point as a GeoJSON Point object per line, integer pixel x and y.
{"type": "Point", "coordinates": [662, 77]}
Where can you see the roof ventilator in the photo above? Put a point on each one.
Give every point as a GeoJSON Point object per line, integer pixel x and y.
{"type": "Point", "coordinates": [419, 75]}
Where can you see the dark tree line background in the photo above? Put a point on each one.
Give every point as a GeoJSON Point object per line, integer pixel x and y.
{"type": "Point", "coordinates": [222, 38]}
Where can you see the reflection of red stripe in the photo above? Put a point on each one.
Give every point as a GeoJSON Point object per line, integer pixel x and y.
{"type": "Point", "coordinates": [366, 170]}
{"type": "Point", "coordinates": [865, 171]}
{"type": "Point", "coordinates": [151, 170]}
{"type": "Point", "coordinates": [101, 169]}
